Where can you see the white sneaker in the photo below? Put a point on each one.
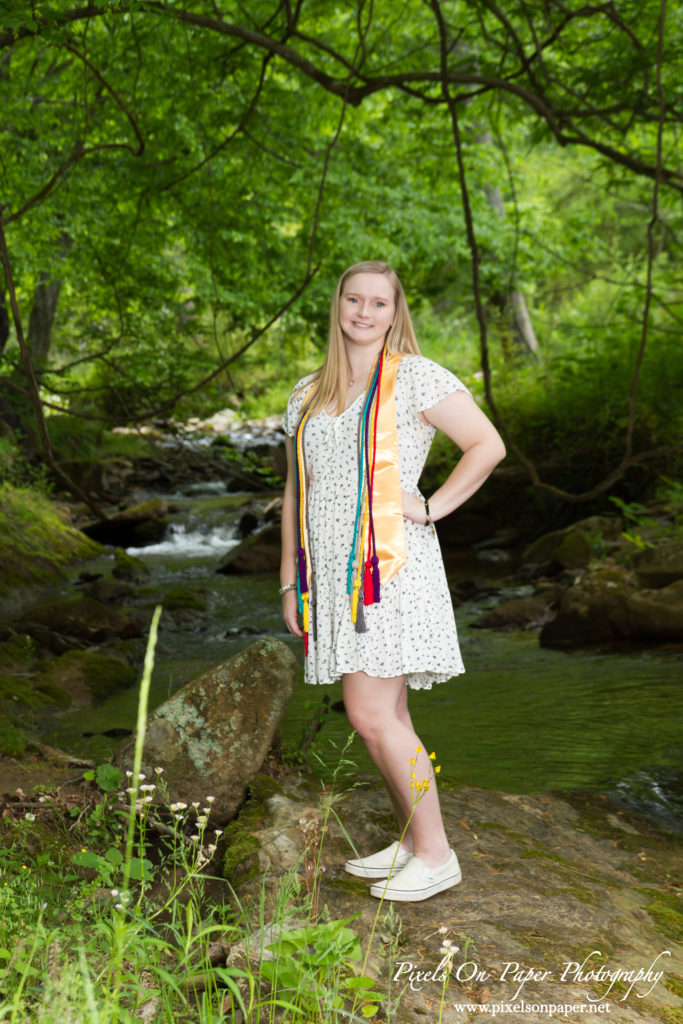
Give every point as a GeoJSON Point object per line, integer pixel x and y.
{"type": "Point", "coordinates": [379, 865]}
{"type": "Point", "coordinates": [417, 882]}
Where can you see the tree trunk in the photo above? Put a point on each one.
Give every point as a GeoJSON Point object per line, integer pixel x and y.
{"type": "Point", "coordinates": [41, 319]}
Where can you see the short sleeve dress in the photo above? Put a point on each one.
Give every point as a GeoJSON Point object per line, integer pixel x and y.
{"type": "Point", "coordinates": [411, 631]}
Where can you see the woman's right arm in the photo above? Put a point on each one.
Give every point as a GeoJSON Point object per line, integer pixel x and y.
{"type": "Point", "coordinates": [288, 564]}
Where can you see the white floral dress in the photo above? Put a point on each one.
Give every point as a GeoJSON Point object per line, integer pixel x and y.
{"type": "Point", "coordinates": [412, 630]}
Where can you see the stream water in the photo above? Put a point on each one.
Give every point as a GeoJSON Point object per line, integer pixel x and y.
{"type": "Point", "coordinates": [522, 719]}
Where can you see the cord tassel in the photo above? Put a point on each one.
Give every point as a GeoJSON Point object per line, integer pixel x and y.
{"type": "Point", "coordinates": [354, 600]}
{"type": "Point", "coordinates": [360, 619]}
{"type": "Point", "coordinates": [376, 592]}
{"type": "Point", "coordinates": [368, 592]}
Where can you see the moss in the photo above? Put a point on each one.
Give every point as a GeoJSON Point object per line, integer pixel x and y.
{"type": "Point", "coordinates": [181, 597]}
{"type": "Point", "coordinates": [35, 543]}
{"type": "Point", "coordinates": [12, 740]}
{"type": "Point", "coordinates": [32, 693]}
{"type": "Point", "coordinates": [99, 674]}
{"type": "Point", "coordinates": [240, 860]}
{"type": "Point", "coordinates": [128, 567]}
{"type": "Point", "coordinates": [17, 652]}
{"type": "Point", "coordinates": [666, 911]}
{"type": "Point", "coordinates": [672, 1015]}
{"type": "Point", "coordinates": [674, 984]}
{"type": "Point", "coordinates": [262, 787]}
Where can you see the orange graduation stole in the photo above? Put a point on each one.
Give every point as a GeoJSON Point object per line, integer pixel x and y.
{"type": "Point", "coordinates": [378, 547]}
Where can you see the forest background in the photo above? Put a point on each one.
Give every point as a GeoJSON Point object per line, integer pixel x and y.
{"type": "Point", "coordinates": [182, 183]}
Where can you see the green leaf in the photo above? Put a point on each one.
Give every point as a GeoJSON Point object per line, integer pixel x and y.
{"type": "Point", "coordinates": [141, 870]}
{"type": "Point", "coordinates": [114, 856]}
{"type": "Point", "coordinates": [109, 777]}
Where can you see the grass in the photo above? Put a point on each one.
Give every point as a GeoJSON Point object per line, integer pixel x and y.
{"type": "Point", "coordinates": [110, 913]}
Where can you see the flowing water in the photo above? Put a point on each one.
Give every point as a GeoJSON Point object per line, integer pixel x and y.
{"type": "Point", "coordinates": [522, 719]}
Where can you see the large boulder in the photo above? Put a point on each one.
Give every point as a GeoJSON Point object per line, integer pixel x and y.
{"type": "Point", "coordinates": [572, 547]}
{"type": "Point", "coordinates": [657, 614]}
{"type": "Point", "coordinates": [212, 736]}
{"type": "Point", "coordinates": [661, 565]}
{"type": "Point", "coordinates": [260, 552]}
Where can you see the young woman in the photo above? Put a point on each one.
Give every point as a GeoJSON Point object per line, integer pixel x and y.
{"type": "Point", "coordinates": [362, 576]}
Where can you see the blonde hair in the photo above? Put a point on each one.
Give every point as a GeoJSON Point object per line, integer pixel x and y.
{"type": "Point", "coordinates": [331, 380]}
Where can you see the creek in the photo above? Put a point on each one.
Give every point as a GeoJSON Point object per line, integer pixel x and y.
{"type": "Point", "coordinates": [523, 719]}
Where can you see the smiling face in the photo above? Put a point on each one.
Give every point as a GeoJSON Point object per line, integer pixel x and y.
{"type": "Point", "coordinates": [367, 309]}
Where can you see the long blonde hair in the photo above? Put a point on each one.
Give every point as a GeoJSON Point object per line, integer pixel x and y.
{"type": "Point", "coordinates": [331, 380]}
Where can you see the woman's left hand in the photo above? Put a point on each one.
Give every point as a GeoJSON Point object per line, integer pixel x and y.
{"type": "Point", "coordinates": [413, 507]}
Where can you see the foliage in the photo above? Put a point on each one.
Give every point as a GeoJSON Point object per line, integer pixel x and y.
{"type": "Point", "coordinates": [181, 170]}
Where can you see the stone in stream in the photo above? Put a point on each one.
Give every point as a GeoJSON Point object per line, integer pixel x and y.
{"type": "Point", "coordinates": [132, 527]}
{"type": "Point", "coordinates": [212, 736]}
{"type": "Point", "coordinates": [260, 552]}
{"type": "Point", "coordinates": [661, 565]}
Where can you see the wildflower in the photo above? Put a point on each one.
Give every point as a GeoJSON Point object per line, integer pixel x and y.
{"type": "Point", "coordinates": [83, 849]}
{"type": "Point", "coordinates": [443, 930]}
{"type": "Point", "coordinates": [218, 831]}
{"type": "Point", "coordinates": [210, 799]}
{"type": "Point", "coordinates": [195, 804]}
{"type": "Point", "coordinates": [432, 756]}
{"type": "Point", "coordinates": [141, 776]}
{"type": "Point", "coordinates": [29, 816]}
{"type": "Point", "coordinates": [130, 789]}
{"type": "Point", "coordinates": [129, 773]}
{"type": "Point", "coordinates": [446, 942]}
{"type": "Point", "coordinates": [437, 768]}
{"type": "Point", "coordinates": [24, 868]}
{"type": "Point", "coordinates": [202, 819]}
{"type": "Point", "coordinates": [115, 892]}
{"type": "Point", "coordinates": [158, 770]}
{"type": "Point", "coordinates": [206, 810]}
{"type": "Point", "coordinates": [148, 787]}
{"type": "Point", "coordinates": [119, 906]}
{"type": "Point", "coordinates": [195, 839]}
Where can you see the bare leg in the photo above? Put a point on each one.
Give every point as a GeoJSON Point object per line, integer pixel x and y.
{"type": "Point", "coordinates": [378, 711]}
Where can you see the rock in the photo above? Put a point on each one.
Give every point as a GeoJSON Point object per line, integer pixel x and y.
{"type": "Point", "coordinates": [661, 565]}
{"type": "Point", "coordinates": [571, 547]}
{"type": "Point", "coordinates": [657, 614]}
{"type": "Point", "coordinates": [526, 612]}
{"type": "Point", "coordinates": [594, 610]}
{"type": "Point", "coordinates": [128, 567]}
{"type": "Point", "coordinates": [540, 873]}
{"type": "Point", "coordinates": [133, 527]}
{"type": "Point", "coordinates": [212, 736]}
{"type": "Point", "coordinates": [258, 553]}
{"type": "Point", "coordinates": [86, 677]}
{"type": "Point", "coordinates": [109, 591]}
{"type": "Point", "coordinates": [81, 617]}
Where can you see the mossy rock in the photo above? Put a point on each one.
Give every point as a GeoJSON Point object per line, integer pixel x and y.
{"type": "Point", "coordinates": [35, 542]}
{"type": "Point", "coordinates": [177, 598]}
{"type": "Point", "coordinates": [12, 740]}
{"type": "Point", "coordinates": [17, 653]}
{"type": "Point", "coordinates": [132, 527]}
{"type": "Point", "coordinates": [128, 567]}
{"type": "Point", "coordinates": [32, 693]}
{"type": "Point", "coordinates": [86, 677]}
